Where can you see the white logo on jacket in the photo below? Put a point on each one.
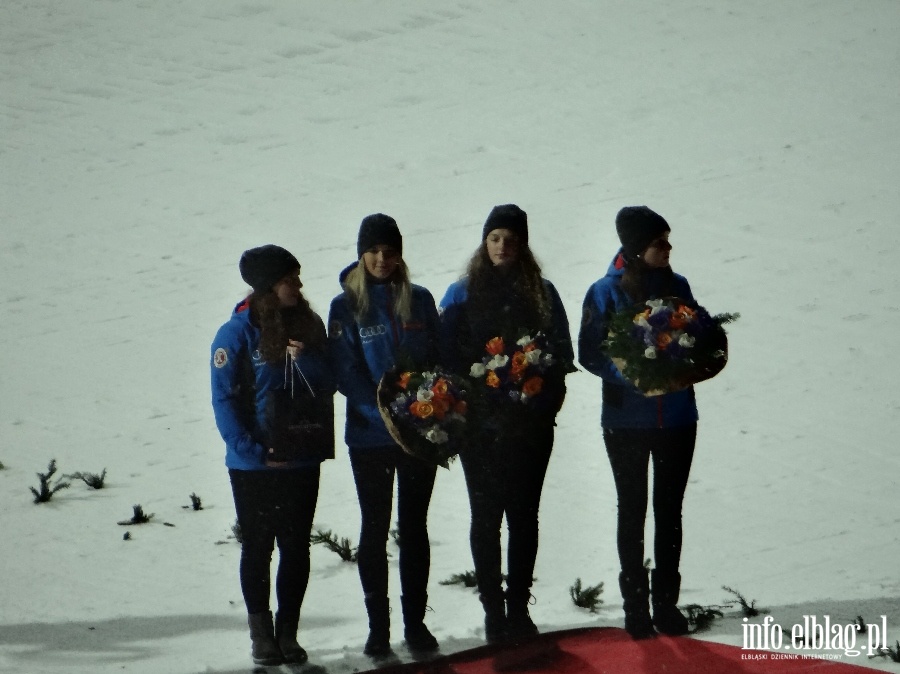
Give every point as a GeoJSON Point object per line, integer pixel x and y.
{"type": "Point", "coordinates": [372, 331]}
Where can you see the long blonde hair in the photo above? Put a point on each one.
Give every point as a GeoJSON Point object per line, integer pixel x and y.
{"type": "Point", "coordinates": [356, 285]}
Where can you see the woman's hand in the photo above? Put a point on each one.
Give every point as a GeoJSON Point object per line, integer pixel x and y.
{"type": "Point", "coordinates": [294, 348]}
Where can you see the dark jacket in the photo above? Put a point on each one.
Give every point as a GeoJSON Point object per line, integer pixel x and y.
{"type": "Point", "coordinates": [247, 391]}
{"type": "Point", "coordinates": [467, 325]}
{"type": "Point", "coordinates": [361, 352]}
{"type": "Point", "coordinates": [623, 405]}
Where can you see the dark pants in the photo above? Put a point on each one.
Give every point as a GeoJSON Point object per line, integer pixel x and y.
{"type": "Point", "coordinates": [629, 451]}
{"type": "Point", "coordinates": [373, 472]}
{"type": "Point", "coordinates": [275, 506]}
{"type": "Point", "coordinates": [505, 475]}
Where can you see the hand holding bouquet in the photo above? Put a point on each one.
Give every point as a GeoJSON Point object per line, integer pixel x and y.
{"type": "Point", "coordinates": [667, 344]}
{"type": "Point", "coordinates": [425, 413]}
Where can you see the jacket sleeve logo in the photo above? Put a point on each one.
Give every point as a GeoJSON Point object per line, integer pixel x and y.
{"type": "Point", "coordinates": [220, 357]}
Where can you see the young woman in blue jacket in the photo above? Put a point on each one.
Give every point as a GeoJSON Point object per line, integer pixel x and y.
{"type": "Point", "coordinates": [380, 321]}
{"type": "Point", "coordinates": [272, 395]}
{"type": "Point", "coordinates": [637, 428]}
{"type": "Point", "coordinates": [506, 460]}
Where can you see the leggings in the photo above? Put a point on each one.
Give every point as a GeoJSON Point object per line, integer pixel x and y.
{"type": "Point", "coordinates": [506, 476]}
{"type": "Point", "coordinates": [373, 472]}
{"type": "Point", "coordinates": [629, 451]}
{"type": "Point", "coordinates": [275, 506]}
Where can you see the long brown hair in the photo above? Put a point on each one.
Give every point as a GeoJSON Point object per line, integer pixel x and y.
{"type": "Point", "coordinates": [277, 324]}
{"type": "Point", "coordinates": [480, 273]}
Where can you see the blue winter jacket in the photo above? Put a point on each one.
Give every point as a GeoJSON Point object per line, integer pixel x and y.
{"type": "Point", "coordinates": [624, 406]}
{"type": "Point", "coordinates": [241, 386]}
{"type": "Point", "coordinates": [362, 351]}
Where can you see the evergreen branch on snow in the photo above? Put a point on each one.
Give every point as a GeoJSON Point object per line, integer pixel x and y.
{"type": "Point", "coordinates": [341, 547]}
{"type": "Point", "coordinates": [748, 609]}
{"type": "Point", "coordinates": [139, 517]}
{"type": "Point", "coordinates": [196, 503]}
{"type": "Point", "coordinates": [466, 579]}
{"type": "Point", "coordinates": [889, 653]}
{"type": "Point", "coordinates": [701, 617]}
{"type": "Point", "coordinates": [45, 491]}
{"type": "Point", "coordinates": [92, 480]}
{"type": "Point", "coordinates": [586, 597]}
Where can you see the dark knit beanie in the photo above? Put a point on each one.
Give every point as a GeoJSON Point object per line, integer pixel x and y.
{"type": "Point", "coordinates": [507, 216]}
{"type": "Point", "coordinates": [263, 267]}
{"type": "Point", "coordinates": [378, 229]}
{"type": "Point", "coordinates": [638, 227]}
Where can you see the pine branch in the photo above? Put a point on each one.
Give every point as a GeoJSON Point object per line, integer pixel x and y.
{"type": "Point", "coordinates": [466, 579]}
{"type": "Point", "coordinates": [92, 480]}
{"type": "Point", "coordinates": [45, 492]}
{"type": "Point", "coordinates": [196, 503]}
{"type": "Point", "coordinates": [701, 617]}
{"type": "Point", "coordinates": [586, 597]}
{"type": "Point", "coordinates": [747, 608]}
{"type": "Point", "coordinates": [341, 547]}
{"type": "Point", "coordinates": [139, 517]}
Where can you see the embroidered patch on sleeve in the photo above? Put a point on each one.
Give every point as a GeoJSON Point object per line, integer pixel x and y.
{"type": "Point", "coordinates": [220, 357]}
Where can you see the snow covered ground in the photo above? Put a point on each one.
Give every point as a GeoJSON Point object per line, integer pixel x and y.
{"type": "Point", "coordinates": [144, 145]}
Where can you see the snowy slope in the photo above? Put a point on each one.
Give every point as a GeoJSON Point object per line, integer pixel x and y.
{"type": "Point", "coordinates": [144, 145]}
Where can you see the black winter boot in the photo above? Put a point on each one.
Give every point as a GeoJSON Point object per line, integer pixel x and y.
{"type": "Point", "coordinates": [495, 624]}
{"type": "Point", "coordinates": [665, 588]}
{"type": "Point", "coordinates": [263, 649]}
{"type": "Point", "coordinates": [379, 642]}
{"type": "Point", "coordinates": [635, 587]}
{"type": "Point", "coordinates": [286, 638]}
{"type": "Point", "coordinates": [415, 633]}
{"type": "Point", "coordinates": [519, 624]}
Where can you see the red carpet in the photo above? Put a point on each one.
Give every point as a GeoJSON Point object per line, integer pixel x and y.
{"type": "Point", "coordinates": [608, 650]}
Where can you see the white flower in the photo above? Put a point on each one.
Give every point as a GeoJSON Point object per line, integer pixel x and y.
{"type": "Point", "coordinates": [477, 370]}
{"type": "Point", "coordinates": [424, 396]}
{"type": "Point", "coordinates": [650, 353]}
{"type": "Point", "coordinates": [686, 341]}
{"type": "Point", "coordinates": [547, 360]}
{"type": "Point", "coordinates": [641, 321]}
{"type": "Point", "coordinates": [533, 357]}
{"type": "Point", "coordinates": [526, 340]}
{"type": "Point", "coordinates": [437, 436]}
{"type": "Point", "coordinates": [655, 304]}
{"type": "Point", "coordinates": [499, 360]}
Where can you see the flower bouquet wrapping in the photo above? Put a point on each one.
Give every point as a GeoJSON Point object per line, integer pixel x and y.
{"type": "Point", "coordinates": [425, 413]}
{"type": "Point", "coordinates": [513, 372]}
{"type": "Point", "coordinates": [667, 344]}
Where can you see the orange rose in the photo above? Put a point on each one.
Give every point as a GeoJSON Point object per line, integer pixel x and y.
{"type": "Point", "coordinates": [403, 382]}
{"type": "Point", "coordinates": [440, 387]}
{"type": "Point", "coordinates": [519, 362]}
{"type": "Point", "coordinates": [492, 379]}
{"type": "Point", "coordinates": [681, 317]}
{"type": "Point", "coordinates": [421, 409]}
{"type": "Point", "coordinates": [663, 340]}
{"type": "Point", "coordinates": [495, 346]}
{"type": "Point", "coordinates": [532, 386]}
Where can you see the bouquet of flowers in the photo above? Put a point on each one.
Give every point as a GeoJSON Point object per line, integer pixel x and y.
{"type": "Point", "coordinates": [425, 412]}
{"type": "Point", "coordinates": [667, 344]}
{"type": "Point", "coordinates": [513, 372]}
